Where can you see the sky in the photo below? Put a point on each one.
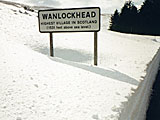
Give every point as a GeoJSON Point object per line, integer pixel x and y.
{"type": "Point", "coordinates": [107, 6]}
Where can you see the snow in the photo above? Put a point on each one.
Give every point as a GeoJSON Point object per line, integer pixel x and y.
{"type": "Point", "coordinates": [107, 6]}
{"type": "Point", "coordinates": [35, 86]}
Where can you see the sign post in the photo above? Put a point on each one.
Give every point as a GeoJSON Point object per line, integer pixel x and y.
{"type": "Point", "coordinates": [95, 49]}
{"type": "Point", "coordinates": [70, 20]}
{"type": "Point", "coordinates": [51, 45]}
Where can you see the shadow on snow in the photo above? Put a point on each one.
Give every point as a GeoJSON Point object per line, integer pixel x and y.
{"type": "Point", "coordinates": [114, 74]}
{"type": "Point", "coordinates": [66, 54]}
{"type": "Point", "coordinates": [72, 57]}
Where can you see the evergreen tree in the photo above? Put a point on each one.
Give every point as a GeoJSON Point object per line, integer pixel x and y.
{"type": "Point", "coordinates": [150, 17]}
{"type": "Point", "coordinates": [114, 21]}
{"type": "Point", "coordinates": [128, 17]}
{"type": "Point", "coordinates": [145, 16]}
{"type": "Point", "coordinates": [143, 21]}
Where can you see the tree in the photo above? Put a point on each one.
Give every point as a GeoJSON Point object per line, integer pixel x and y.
{"type": "Point", "coordinates": [126, 20]}
{"type": "Point", "coordinates": [114, 21]}
{"type": "Point", "coordinates": [146, 20]}
{"type": "Point", "coordinates": [150, 17]}
{"type": "Point", "coordinates": [128, 16]}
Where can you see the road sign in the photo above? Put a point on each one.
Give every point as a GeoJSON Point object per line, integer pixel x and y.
{"type": "Point", "coordinates": [69, 20]}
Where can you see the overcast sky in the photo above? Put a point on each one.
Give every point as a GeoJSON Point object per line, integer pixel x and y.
{"type": "Point", "coordinates": [107, 6]}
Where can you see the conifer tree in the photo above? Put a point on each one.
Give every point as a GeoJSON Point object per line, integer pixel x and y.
{"type": "Point", "coordinates": [128, 17]}
{"type": "Point", "coordinates": [114, 21]}
{"type": "Point", "coordinates": [146, 20]}
{"type": "Point", "coordinates": [150, 17]}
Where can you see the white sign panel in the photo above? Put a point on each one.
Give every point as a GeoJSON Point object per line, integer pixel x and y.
{"type": "Point", "coordinates": [69, 20]}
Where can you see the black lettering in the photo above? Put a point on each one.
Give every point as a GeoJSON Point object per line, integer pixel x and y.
{"type": "Point", "coordinates": [93, 14]}
{"type": "Point", "coordinates": [68, 15]}
{"type": "Point", "coordinates": [59, 17]}
{"type": "Point", "coordinates": [88, 15]}
{"type": "Point", "coordinates": [63, 15]}
{"type": "Point", "coordinates": [78, 14]}
{"type": "Point", "coordinates": [51, 27]}
{"type": "Point", "coordinates": [50, 16]}
{"type": "Point", "coordinates": [58, 27]}
{"type": "Point", "coordinates": [47, 23]}
{"type": "Point", "coordinates": [54, 16]}
{"type": "Point", "coordinates": [83, 14]}
{"type": "Point", "coordinates": [73, 15]}
{"type": "Point", "coordinates": [45, 16]}
{"type": "Point", "coordinates": [73, 22]}
{"type": "Point", "coordinates": [85, 27]}
{"type": "Point", "coordinates": [68, 27]}
{"type": "Point", "coordinates": [76, 27]}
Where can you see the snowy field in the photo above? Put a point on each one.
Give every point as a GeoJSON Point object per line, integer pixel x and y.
{"type": "Point", "coordinates": [34, 86]}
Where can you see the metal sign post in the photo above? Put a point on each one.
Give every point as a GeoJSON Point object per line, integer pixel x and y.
{"type": "Point", "coordinates": [95, 49]}
{"type": "Point", "coordinates": [51, 45]}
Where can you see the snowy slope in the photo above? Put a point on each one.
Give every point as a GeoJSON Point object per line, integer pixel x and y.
{"type": "Point", "coordinates": [107, 6]}
{"type": "Point", "coordinates": [34, 86]}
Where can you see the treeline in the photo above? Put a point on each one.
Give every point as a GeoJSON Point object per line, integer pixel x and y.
{"type": "Point", "coordinates": [145, 20]}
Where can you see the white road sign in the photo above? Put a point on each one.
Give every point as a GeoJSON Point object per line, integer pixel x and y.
{"type": "Point", "coordinates": [69, 20]}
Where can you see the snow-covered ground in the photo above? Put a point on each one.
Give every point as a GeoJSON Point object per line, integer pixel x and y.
{"type": "Point", "coordinates": [34, 86]}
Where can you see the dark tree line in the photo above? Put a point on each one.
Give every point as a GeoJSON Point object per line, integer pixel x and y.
{"type": "Point", "coordinates": [146, 20]}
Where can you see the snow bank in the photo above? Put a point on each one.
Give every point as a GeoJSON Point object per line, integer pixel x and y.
{"type": "Point", "coordinates": [137, 104]}
{"type": "Point", "coordinates": [34, 86]}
